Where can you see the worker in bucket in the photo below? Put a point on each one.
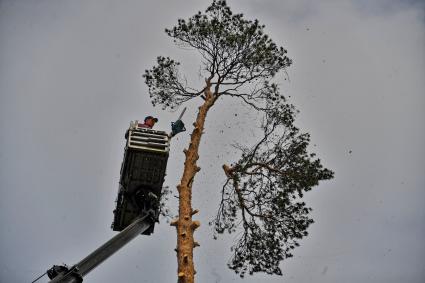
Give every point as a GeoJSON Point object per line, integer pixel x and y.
{"type": "Point", "coordinates": [149, 122]}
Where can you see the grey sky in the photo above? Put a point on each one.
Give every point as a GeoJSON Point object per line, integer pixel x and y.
{"type": "Point", "coordinates": [70, 82]}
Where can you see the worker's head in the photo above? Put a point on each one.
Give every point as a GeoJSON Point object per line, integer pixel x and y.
{"type": "Point", "coordinates": [150, 121]}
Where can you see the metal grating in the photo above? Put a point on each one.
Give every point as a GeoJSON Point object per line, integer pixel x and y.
{"type": "Point", "coordinates": [147, 139]}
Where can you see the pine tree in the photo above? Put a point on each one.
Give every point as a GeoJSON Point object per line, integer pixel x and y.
{"type": "Point", "coordinates": [264, 188]}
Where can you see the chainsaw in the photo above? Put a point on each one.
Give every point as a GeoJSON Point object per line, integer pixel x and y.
{"type": "Point", "coordinates": [178, 126]}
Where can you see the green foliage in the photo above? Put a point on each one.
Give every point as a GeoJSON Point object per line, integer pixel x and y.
{"type": "Point", "coordinates": [264, 188]}
{"type": "Point", "coordinates": [164, 83]}
{"type": "Point", "coordinates": [235, 53]}
{"type": "Point", "coordinates": [234, 49]}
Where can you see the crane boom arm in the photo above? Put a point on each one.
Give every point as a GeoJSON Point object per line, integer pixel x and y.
{"type": "Point", "coordinates": [76, 273]}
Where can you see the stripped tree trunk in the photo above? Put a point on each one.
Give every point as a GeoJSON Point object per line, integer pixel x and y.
{"type": "Point", "coordinates": [184, 224]}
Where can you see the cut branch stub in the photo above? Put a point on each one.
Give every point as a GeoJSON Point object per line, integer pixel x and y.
{"type": "Point", "coordinates": [174, 222]}
{"type": "Point", "coordinates": [228, 171]}
{"type": "Point", "coordinates": [195, 224]}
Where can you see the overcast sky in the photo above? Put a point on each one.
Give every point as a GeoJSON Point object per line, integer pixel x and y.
{"type": "Point", "coordinates": [70, 83]}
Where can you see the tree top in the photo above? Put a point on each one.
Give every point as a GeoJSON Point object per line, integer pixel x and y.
{"type": "Point", "coordinates": [236, 53]}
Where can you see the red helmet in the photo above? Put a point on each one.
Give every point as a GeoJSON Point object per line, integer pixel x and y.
{"type": "Point", "coordinates": [150, 117]}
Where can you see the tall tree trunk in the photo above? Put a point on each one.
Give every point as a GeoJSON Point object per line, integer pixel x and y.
{"type": "Point", "coordinates": [184, 224]}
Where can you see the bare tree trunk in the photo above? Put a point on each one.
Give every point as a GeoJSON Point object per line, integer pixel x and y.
{"type": "Point", "coordinates": [184, 224]}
